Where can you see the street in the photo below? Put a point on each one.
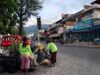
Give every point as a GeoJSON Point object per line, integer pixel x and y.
{"type": "Point", "coordinates": [29, 30]}
{"type": "Point", "coordinates": [72, 60]}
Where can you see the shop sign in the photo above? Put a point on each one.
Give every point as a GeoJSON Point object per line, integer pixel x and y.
{"type": "Point", "coordinates": [87, 17]}
{"type": "Point", "coordinates": [83, 24]}
{"type": "Point", "coordinates": [61, 30]}
{"type": "Point", "coordinates": [96, 22]}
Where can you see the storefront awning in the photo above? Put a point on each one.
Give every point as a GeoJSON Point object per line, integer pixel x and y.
{"type": "Point", "coordinates": [83, 30]}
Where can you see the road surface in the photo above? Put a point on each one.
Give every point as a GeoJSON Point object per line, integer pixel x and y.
{"type": "Point", "coordinates": [72, 61]}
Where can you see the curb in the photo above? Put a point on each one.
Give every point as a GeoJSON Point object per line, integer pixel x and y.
{"type": "Point", "coordinates": [88, 46]}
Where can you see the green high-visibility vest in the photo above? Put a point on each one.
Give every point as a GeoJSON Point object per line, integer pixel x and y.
{"type": "Point", "coordinates": [52, 47]}
{"type": "Point", "coordinates": [25, 50]}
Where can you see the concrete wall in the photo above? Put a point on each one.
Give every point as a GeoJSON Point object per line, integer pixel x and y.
{"type": "Point", "coordinates": [69, 27]}
{"type": "Point", "coordinates": [96, 13]}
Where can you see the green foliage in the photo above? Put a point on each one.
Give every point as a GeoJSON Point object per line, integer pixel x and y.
{"type": "Point", "coordinates": [14, 12]}
{"type": "Point", "coordinates": [25, 10]}
{"type": "Point", "coordinates": [7, 15]}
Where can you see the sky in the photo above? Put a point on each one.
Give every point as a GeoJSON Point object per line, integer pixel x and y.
{"type": "Point", "coordinates": [53, 9]}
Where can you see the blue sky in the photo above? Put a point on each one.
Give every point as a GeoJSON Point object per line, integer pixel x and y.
{"type": "Point", "coordinates": [53, 9]}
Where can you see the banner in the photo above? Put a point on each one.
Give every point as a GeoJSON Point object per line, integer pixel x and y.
{"type": "Point", "coordinates": [83, 24]}
{"type": "Point", "coordinates": [96, 22]}
{"type": "Point", "coordinates": [61, 30]}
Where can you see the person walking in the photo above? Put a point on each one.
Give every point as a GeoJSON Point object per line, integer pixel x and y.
{"type": "Point", "coordinates": [26, 54]}
{"type": "Point", "coordinates": [53, 52]}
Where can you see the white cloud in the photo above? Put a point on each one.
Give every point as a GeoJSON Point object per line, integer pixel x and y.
{"type": "Point", "coordinates": [52, 9]}
{"type": "Point", "coordinates": [31, 21]}
{"type": "Point", "coordinates": [51, 20]}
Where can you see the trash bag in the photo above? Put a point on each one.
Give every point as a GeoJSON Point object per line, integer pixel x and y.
{"type": "Point", "coordinates": [12, 70]}
{"type": "Point", "coordinates": [2, 69]}
{"type": "Point", "coordinates": [11, 63]}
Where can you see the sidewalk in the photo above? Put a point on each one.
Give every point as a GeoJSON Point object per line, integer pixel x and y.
{"type": "Point", "coordinates": [84, 44]}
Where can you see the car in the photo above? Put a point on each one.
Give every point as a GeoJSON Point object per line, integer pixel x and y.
{"type": "Point", "coordinates": [8, 40]}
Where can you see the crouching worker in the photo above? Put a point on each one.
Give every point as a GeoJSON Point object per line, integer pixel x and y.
{"type": "Point", "coordinates": [42, 56]}
{"type": "Point", "coordinates": [26, 55]}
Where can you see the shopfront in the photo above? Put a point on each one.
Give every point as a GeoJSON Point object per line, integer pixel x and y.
{"type": "Point", "coordinates": [83, 30]}
{"type": "Point", "coordinates": [96, 27]}
{"type": "Point", "coordinates": [87, 30]}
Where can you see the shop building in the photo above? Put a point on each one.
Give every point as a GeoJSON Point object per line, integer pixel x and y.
{"type": "Point", "coordinates": [87, 27]}
{"type": "Point", "coordinates": [57, 29]}
{"type": "Point", "coordinates": [82, 26]}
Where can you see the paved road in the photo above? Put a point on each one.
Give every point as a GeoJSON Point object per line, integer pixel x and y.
{"type": "Point", "coordinates": [72, 61]}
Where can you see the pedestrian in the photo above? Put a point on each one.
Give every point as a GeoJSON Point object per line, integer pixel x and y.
{"type": "Point", "coordinates": [26, 54]}
{"type": "Point", "coordinates": [53, 52]}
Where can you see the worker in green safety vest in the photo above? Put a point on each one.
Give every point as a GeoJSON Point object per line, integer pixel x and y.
{"type": "Point", "coordinates": [53, 52]}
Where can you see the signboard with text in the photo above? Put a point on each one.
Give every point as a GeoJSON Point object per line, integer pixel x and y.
{"type": "Point", "coordinates": [61, 30]}
{"type": "Point", "coordinates": [96, 22]}
{"type": "Point", "coordinates": [83, 24]}
{"type": "Point", "coordinates": [87, 16]}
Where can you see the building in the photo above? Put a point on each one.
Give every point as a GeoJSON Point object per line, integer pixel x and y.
{"type": "Point", "coordinates": [82, 26]}
{"type": "Point", "coordinates": [57, 29]}
{"type": "Point", "coordinates": [88, 27]}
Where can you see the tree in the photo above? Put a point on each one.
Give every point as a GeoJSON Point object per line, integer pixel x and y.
{"type": "Point", "coordinates": [25, 10]}
{"type": "Point", "coordinates": [7, 15]}
{"type": "Point", "coordinates": [14, 12]}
